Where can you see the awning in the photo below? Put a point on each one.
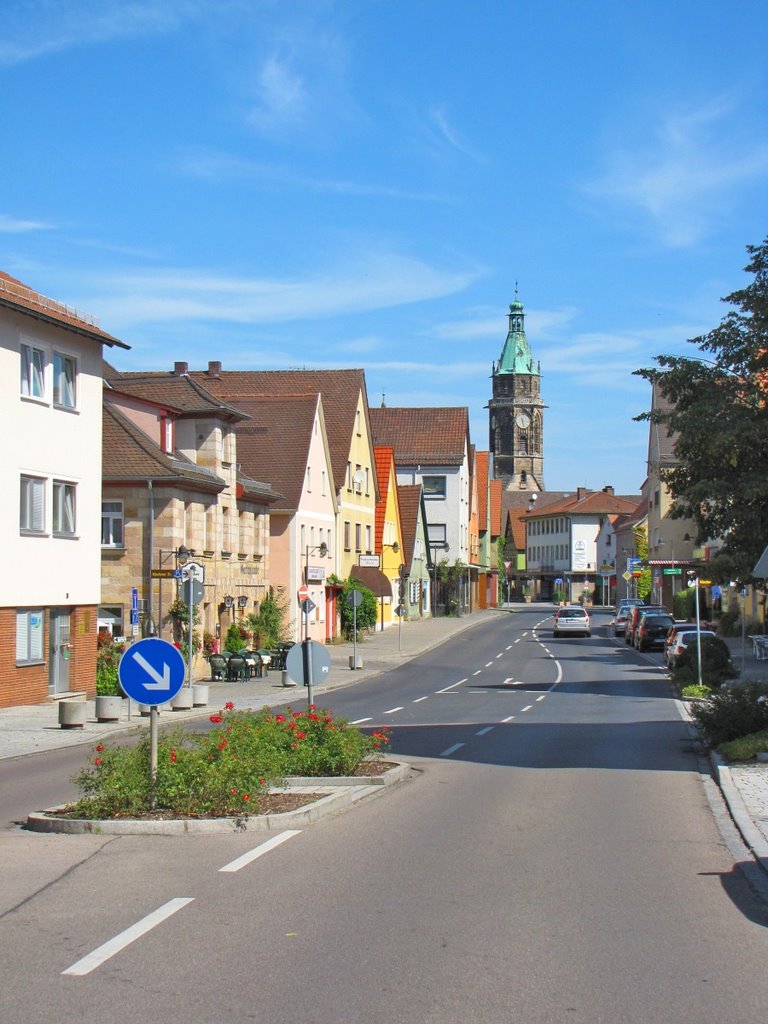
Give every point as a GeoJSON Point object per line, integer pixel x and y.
{"type": "Point", "coordinates": [372, 578]}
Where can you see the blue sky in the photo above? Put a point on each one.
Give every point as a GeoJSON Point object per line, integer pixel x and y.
{"type": "Point", "coordinates": [339, 183]}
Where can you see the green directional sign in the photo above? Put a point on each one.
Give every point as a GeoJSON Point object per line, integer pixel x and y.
{"type": "Point", "coordinates": [672, 572]}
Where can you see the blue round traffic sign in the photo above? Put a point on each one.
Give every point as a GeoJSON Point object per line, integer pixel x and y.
{"type": "Point", "coordinates": [151, 671]}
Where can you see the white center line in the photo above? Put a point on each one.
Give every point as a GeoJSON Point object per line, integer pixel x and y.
{"type": "Point", "coordinates": [488, 664]}
{"type": "Point", "coordinates": [500, 655]}
{"type": "Point", "coordinates": [119, 942]}
{"type": "Point", "coordinates": [542, 697]}
{"type": "Point", "coordinates": [518, 640]}
{"type": "Point", "coordinates": [482, 732]}
{"type": "Point", "coordinates": [420, 699]}
{"type": "Point", "coordinates": [509, 718]}
{"type": "Point", "coordinates": [393, 710]}
{"type": "Point", "coordinates": [262, 848]}
{"type": "Point", "coordinates": [452, 750]}
{"type": "Point", "coordinates": [527, 707]}
{"type": "Point", "coordinates": [359, 721]}
{"type": "Point", "coordinates": [477, 673]}
{"type": "Point", "coordinates": [509, 648]}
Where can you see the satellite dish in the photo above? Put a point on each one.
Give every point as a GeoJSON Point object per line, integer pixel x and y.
{"type": "Point", "coordinates": [358, 478]}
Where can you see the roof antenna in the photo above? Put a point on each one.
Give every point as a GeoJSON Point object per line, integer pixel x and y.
{"type": "Point", "coordinates": [383, 400]}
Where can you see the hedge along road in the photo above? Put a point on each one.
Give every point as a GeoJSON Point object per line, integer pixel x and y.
{"type": "Point", "coordinates": [557, 859]}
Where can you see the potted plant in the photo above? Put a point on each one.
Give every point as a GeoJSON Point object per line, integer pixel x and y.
{"type": "Point", "coordinates": [109, 696]}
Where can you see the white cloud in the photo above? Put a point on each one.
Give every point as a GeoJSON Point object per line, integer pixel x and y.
{"type": "Point", "coordinates": [14, 225]}
{"type": "Point", "coordinates": [33, 30]}
{"type": "Point", "coordinates": [374, 281]}
{"type": "Point", "coordinates": [682, 180]}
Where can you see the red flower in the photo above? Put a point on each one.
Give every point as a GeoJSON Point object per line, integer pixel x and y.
{"type": "Point", "coordinates": [279, 718]}
{"type": "Point", "coordinates": [97, 761]}
{"type": "Point", "coordinates": [312, 707]}
{"type": "Point", "coordinates": [223, 745]}
{"type": "Point", "coordinates": [300, 735]}
{"type": "Point", "coordinates": [99, 748]}
{"type": "Point", "coordinates": [297, 714]}
{"type": "Point", "coordinates": [173, 757]}
{"type": "Point", "coordinates": [294, 745]}
{"type": "Point", "coordinates": [216, 719]}
{"type": "Point", "coordinates": [246, 796]}
{"type": "Point", "coordinates": [262, 782]}
{"type": "Point", "coordinates": [327, 721]}
{"type": "Point", "coordinates": [313, 718]}
{"type": "Point", "coordinates": [232, 792]}
{"type": "Point", "coordinates": [291, 725]}
{"type": "Point", "coordinates": [229, 706]}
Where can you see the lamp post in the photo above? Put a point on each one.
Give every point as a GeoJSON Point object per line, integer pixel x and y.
{"type": "Point", "coordinates": [182, 556]}
{"type": "Point", "coordinates": [322, 550]}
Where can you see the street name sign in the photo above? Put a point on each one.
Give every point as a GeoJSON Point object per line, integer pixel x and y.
{"type": "Point", "coordinates": [151, 671]}
{"type": "Point", "coordinates": [194, 571]}
{"type": "Point", "coordinates": [672, 572]}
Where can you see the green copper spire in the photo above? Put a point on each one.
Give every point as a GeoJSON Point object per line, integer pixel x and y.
{"type": "Point", "coordinates": [517, 356]}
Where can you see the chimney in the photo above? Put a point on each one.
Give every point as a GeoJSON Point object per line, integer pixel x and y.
{"type": "Point", "coordinates": [214, 368]}
{"type": "Point", "coordinates": [180, 369]}
{"type": "Point", "coordinates": [581, 492]}
{"type": "Point", "coordinates": [608, 489]}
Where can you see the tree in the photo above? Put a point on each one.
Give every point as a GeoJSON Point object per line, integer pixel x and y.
{"type": "Point", "coordinates": [718, 416]}
{"type": "Point", "coordinates": [644, 582]}
{"type": "Point", "coordinates": [269, 624]}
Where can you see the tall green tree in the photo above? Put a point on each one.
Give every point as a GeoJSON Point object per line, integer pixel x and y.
{"type": "Point", "coordinates": [718, 416]}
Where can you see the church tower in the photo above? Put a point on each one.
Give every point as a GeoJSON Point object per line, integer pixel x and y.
{"type": "Point", "coordinates": [516, 411]}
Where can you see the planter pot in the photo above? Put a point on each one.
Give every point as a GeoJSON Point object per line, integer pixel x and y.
{"type": "Point", "coordinates": [72, 714]}
{"type": "Point", "coordinates": [108, 708]}
{"type": "Point", "coordinates": [286, 679]}
{"type": "Point", "coordinates": [200, 695]}
{"type": "Point", "coordinates": [183, 699]}
{"type": "Point", "coordinates": [355, 661]}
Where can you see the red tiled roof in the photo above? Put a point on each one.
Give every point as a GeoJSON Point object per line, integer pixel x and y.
{"type": "Point", "coordinates": [340, 390]}
{"type": "Point", "coordinates": [427, 436]}
{"type": "Point", "coordinates": [129, 454]}
{"type": "Point", "coordinates": [482, 460]}
{"type": "Point", "coordinates": [179, 391]}
{"type": "Point", "coordinates": [409, 498]}
{"type": "Point", "coordinates": [16, 295]}
{"type": "Point", "coordinates": [496, 525]}
{"type": "Point", "coordinates": [383, 457]}
{"type": "Point", "coordinates": [274, 444]}
{"type": "Point", "coordinates": [593, 503]}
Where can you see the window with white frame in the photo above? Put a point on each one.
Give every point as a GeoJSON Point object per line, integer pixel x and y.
{"type": "Point", "coordinates": [32, 383]}
{"type": "Point", "coordinates": [32, 505]}
{"type": "Point", "coordinates": [112, 524]}
{"type": "Point", "coordinates": [64, 507]}
{"type": "Point", "coordinates": [368, 538]}
{"type": "Point", "coordinates": [29, 636]}
{"type": "Point", "coordinates": [64, 380]}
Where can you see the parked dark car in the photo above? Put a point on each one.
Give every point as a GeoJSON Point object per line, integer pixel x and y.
{"type": "Point", "coordinates": [651, 630]}
{"type": "Point", "coordinates": [634, 614]}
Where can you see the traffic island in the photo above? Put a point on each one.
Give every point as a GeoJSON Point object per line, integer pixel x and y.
{"type": "Point", "coordinates": [323, 797]}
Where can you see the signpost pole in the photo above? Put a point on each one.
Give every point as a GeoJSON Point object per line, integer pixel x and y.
{"type": "Point", "coordinates": [153, 755]}
{"type": "Point", "coordinates": [190, 606]}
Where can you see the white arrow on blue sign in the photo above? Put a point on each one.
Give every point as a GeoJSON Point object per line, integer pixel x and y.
{"type": "Point", "coordinates": [151, 671]}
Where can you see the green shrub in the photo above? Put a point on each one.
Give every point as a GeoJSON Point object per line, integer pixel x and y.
{"type": "Point", "coordinates": [729, 623]}
{"type": "Point", "coordinates": [733, 712]}
{"type": "Point", "coordinates": [746, 747]}
{"type": "Point", "coordinates": [364, 616]}
{"type": "Point", "coordinates": [694, 690]}
{"type": "Point", "coordinates": [236, 638]}
{"type": "Point", "coordinates": [108, 655]}
{"type": "Point", "coordinates": [716, 664]}
{"type": "Point", "coordinates": [224, 771]}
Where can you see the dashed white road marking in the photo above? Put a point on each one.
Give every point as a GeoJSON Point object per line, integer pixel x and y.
{"type": "Point", "coordinates": [420, 699]}
{"type": "Point", "coordinates": [119, 942]}
{"type": "Point", "coordinates": [509, 648]}
{"type": "Point", "coordinates": [393, 710]}
{"type": "Point", "coordinates": [542, 697]}
{"type": "Point", "coordinates": [518, 640]}
{"type": "Point", "coordinates": [488, 664]}
{"type": "Point", "coordinates": [526, 708]}
{"type": "Point", "coordinates": [260, 850]}
{"type": "Point", "coordinates": [452, 750]}
{"type": "Point", "coordinates": [477, 673]}
{"type": "Point", "coordinates": [500, 655]}
{"type": "Point", "coordinates": [482, 732]}
{"type": "Point", "coordinates": [509, 718]}
{"type": "Point", "coordinates": [359, 721]}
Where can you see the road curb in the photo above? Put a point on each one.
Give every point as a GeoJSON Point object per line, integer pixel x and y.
{"type": "Point", "coordinates": [337, 795]}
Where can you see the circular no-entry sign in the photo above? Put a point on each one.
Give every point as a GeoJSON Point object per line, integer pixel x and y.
{"type": "Point", "coordinates": [303, 593]}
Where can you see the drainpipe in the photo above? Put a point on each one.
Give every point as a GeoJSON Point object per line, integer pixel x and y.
{"type": "Point", "coordinates": [151, 491]}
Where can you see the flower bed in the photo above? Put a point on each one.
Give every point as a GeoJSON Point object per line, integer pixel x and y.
{"type": "Point", "coordinates": [233, 769]}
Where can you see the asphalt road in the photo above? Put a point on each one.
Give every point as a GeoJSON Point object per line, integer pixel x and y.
{"type": "Point", "coordinates": [557, 859]}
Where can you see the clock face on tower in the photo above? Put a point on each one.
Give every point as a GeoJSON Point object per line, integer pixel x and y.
{"type": "Point", "coordinates": [522, 419]}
